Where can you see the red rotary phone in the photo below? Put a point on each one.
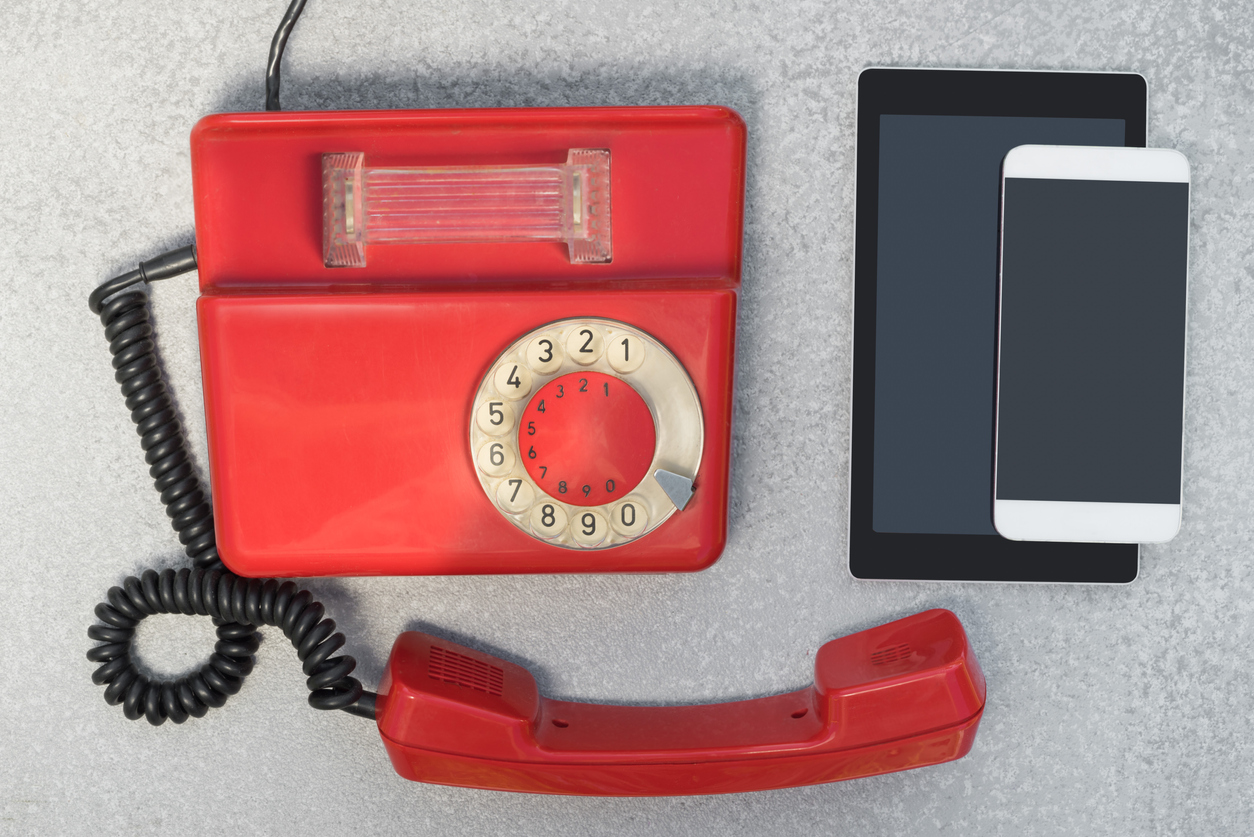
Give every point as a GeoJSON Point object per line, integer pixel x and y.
{"type": "Point", "coordinates": [514, 362]}
{"type": "Point", "coordinates": [482, 341]}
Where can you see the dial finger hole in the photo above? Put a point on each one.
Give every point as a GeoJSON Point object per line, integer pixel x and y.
{"type": "Point", "coordinates": [588, 527]}
{"type": "Point", "coordinates": [544, 355]}
{"type": "Point", "coordinates": [585, 345]}
{"type": "Point", "coordinates": [548, 520]}
{"type": "Point", "coordinates": [515, 495]}
{"type": "Point", "coordinates": [512, 380]}
{"type": "Point", "coordinates": [496, 418]}
{"type": "Point", "coordinates": [625, 352]}
{"type": "Point", "coordinates": [496, 459]}
{"type": "Point", "coordinates": [630, 517]}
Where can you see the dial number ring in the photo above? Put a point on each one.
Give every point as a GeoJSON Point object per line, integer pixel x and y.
{"type": "Point", "coordinates": [617, 511]}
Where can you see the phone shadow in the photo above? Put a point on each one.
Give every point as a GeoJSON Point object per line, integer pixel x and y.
{"type": "Point", "coordinates": [499, 87]}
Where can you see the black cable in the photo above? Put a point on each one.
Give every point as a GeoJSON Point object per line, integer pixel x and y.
{"type": "Point", "coordinates": [238, 605]}
{"type": "Point", "coordinates": [276, 53]}
{"type": "Point", "coordinates": [128, 328]}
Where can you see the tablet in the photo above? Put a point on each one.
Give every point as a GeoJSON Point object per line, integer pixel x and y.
{"type": "Point", "coordinates": [930, 147]}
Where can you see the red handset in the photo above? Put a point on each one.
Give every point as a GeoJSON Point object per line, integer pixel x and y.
{"type": "Point", "coordinates": [903, 695]}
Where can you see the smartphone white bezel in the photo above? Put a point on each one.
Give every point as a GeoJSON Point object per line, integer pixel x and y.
{"type": "Point", "coordinates": [1055, 520]}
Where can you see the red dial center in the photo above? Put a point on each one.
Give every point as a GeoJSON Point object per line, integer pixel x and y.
{"type": "Point", "coordinates": [587, 438]}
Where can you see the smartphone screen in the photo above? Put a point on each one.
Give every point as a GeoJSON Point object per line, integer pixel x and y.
{"type": "Point", "coordinates": [1092, 341]}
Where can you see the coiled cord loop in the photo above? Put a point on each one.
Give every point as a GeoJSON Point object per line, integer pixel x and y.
{"type": "Point", "coordinates": [237, 605]}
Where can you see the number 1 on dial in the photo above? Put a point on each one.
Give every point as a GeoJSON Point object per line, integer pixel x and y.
{"type": "Point", "coordinates": [625, 355]}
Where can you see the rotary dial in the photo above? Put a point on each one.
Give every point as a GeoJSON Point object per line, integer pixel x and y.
{"type": "Point", "coordinates": [587, 434]}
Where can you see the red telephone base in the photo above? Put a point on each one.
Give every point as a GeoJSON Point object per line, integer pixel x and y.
{"type": "Point", "coordinates": [903, 695]}
{"type": "Point", "coordinates": [339, 402]}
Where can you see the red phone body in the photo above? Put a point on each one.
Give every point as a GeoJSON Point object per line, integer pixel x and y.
{"type": "Point", "coordinates": [338, 399]}
{"type": "Point", "coordinates": [903, 695]}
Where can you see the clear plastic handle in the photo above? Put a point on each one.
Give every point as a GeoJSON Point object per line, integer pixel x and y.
{"type": "Point", "coordinates": [567, 202]}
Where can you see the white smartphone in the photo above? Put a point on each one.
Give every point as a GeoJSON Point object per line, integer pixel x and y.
{"type": "Point", "coordinates": [1091, 344]}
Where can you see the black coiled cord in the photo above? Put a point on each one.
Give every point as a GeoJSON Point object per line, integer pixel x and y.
{"type": "Point", "coordinates": [128, 328]}
{"type": "Point", "coordinates": [238, 605]}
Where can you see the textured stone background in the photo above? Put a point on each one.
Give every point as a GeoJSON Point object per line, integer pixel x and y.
{"type": "Point", "coordinates": [1111, 710]}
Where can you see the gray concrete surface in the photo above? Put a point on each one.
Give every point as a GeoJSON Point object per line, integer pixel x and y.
{"type": "Point", "coordinates": [1111, 710]}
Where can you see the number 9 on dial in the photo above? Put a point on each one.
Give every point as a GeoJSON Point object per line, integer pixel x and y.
{"type": "Point", "coordinates": [588, 527]}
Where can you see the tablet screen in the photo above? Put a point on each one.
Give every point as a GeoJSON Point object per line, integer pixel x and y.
{"type": "Point", "coordinates": [936, 311]}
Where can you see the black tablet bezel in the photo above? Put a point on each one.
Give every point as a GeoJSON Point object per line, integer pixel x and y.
{"type": "Point", "coordinates": [922, 557]}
